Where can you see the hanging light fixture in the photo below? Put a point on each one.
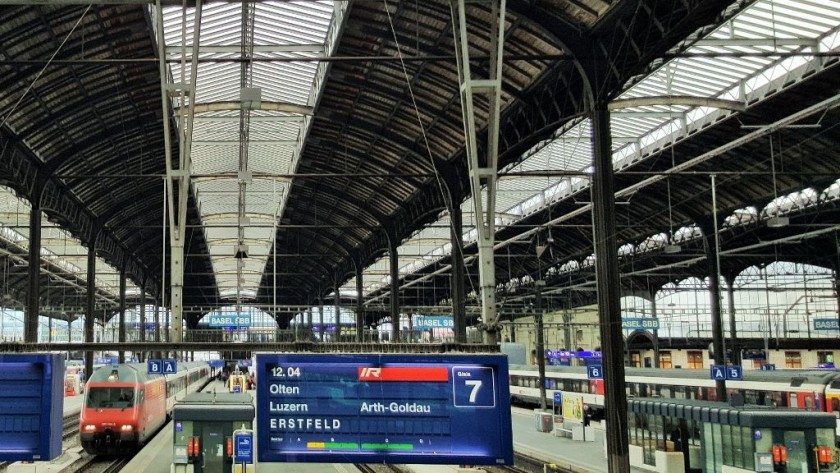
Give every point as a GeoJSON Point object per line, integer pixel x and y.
{"type": "Point", "coordinates": [671, 247]}
{"type": "Point", "coordinates": [775, 221]}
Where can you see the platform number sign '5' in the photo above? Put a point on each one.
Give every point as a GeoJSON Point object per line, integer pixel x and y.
{"type": "Point", "coordinates": [595, 372]}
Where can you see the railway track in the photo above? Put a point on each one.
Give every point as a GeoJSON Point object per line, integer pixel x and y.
{"type": "Point", "coordinates": [379, 468]}
{"type": "Point", "coordinates": [97, 464]}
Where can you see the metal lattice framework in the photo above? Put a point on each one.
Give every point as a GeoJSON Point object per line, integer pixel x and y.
{"type": "Point", "coordinates": [331, 163]}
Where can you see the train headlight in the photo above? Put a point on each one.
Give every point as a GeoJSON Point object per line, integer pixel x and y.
{"type": "Point", "coordinates": [127, 428]}
{"type": "Point", "coordinates": [90, 428]}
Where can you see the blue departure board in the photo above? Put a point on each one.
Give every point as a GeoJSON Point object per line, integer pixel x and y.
{"type": "Point", "coordinates": [444, 409]}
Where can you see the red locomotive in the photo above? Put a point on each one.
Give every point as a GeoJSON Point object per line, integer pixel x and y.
{"type": "Point", "coordinates": [125, 406]}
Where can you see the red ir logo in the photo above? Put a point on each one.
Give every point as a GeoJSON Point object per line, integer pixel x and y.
{"type": "Point", "coordinates": [367, 374]}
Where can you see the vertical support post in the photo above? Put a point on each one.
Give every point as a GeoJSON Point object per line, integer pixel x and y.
{"type": "Point", "coordinates": [459, 312]}
{"type": "Point", "coordinates": [91, 301]}
{"type": "Point", "coordinates": [395, 289]}
{"type": "Point", "coordinates": [140, 356]}
{"type": "Point", "coordinates": [655, 315]}
{"type": "Point", "coordinates": [177, 169]}
{"type": "Point", "coordinates": [321, 319]}
{"type": "Point", "coordinates": [33, 306]}
{"type": "Point", "coordinates": [337, 304]}
{"type": "Point", "coordinates": [177, 292]}
{"type": "Point", "coordinates": [157, 322]}
{"type": "Point", "coordinates": [538, 318]}
{"type": "Point", "coordinates": [121, 333]}
{"type": "Point", "coordinates": [606, 274]}
{"type": "Point", "coordinates": [733, 330]}
{"type": "Point", "coordinates": [309, 320]}
{"type": "Point", "coordinates": [482, 169]}
{"type": "Point", "coordinates": [713, 261]}
{"type": "Point", "coordinates": [360, 304]}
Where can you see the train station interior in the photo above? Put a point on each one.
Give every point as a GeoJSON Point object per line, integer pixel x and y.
{"type": "Point", "coordinates": [637, 184]}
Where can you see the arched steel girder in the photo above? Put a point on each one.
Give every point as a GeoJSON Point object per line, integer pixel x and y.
{"type": "Point", "coordinates": [624, 51]}
{"type": "Point", "coordinates": [400, 142]}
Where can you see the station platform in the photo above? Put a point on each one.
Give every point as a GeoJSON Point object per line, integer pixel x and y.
{"type": "Point", "coordinates": [566, 453]}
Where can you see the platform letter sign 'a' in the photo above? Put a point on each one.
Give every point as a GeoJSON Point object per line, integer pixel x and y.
{"type": "Point", "coordinates": [169, 366]}
{"type": "Point", "coordinates": [719, 372]}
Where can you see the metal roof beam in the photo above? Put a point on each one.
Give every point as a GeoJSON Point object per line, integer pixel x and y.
{"type": "Point", "coordinates": [678, 100]}
{"type": "Point", "coordinates": [265, 106]}
{"type": "Point", "coordinates": [262, 49]}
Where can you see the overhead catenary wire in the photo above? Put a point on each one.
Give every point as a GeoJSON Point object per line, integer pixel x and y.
{"type": "Point", "coordinates": [41, 72]}
{"type": "Point", "coordinates": [447, 198]}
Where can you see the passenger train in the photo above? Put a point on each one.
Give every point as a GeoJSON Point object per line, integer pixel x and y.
{"type": "Point", "coordinates": [124, 405]}
{"type": "Point", "coordinates": [813, 390]}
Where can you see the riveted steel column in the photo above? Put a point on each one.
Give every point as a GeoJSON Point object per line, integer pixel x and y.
{"type": "Point", "coordinates": [655, 331]}
{"type": "Point", "coordinates": [395, 290]}
{"type": "Point", "coordinates": [33, 306]}
{"type": "Point", "coordinates": [337, 313]}
{"type": "Point", "coordinates": [177, 169]}
{"type": "Point", "coordinates": [121, 335]}
{"type": "Point", "coordinates": [459, 312]}
{"type": "Point", "coordinates": [321, 319]}
{"type": "Point", "coordinates": [609, 307]}
{"type": "Point", "coordinates": [360, 304]}
{"type": "Point", "coordinates": [91, 302]}
{"type": "Point", "coordinates": [538, 318]}
{"type": "Point", "coordinates": [482, 169]}
{"type": "Point", "coordinates": [141, 356]}
{"type": "Point", "coordinates": [157, 322]}
{"type": "Point", "coordinates": [733, 330]}
{"type": "Point", "coordinates": [713, 265]}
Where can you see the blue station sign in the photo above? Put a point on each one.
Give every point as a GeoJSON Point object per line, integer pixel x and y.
{"type": "Point", "coordinates": [434, 409]}
{"type": "Point", "coordinates": [428, 323]}
{"type": "Point", "coordinates": [243, 446]}
{"type": "Point", "coordinates": [639, 323]}
{"type": "Point", "coordinates": [827, 324]}
{"type": "Point", "coordinates": [240, 320]}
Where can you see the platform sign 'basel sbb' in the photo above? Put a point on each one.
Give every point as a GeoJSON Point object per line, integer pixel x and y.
{"type": "Point", "coordinates": [445, 409]}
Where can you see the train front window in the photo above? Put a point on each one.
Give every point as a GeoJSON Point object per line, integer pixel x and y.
{"type": "Point", "coordinates": [116, 398]}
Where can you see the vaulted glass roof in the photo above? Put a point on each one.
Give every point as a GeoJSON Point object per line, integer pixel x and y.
{"type": "Point", "coordinates": [732, 64]}
{"type": "Point", "coordinates": [256, 84]}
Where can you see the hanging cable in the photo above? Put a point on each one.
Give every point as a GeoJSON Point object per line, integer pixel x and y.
{"type": "Point", "coordinates": [41, 72]}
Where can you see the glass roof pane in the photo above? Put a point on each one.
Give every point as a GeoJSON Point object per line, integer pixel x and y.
{"type": "Point", "coordinates": [768, 25]}
{"type": "Point", "coordinates": [281, 30]}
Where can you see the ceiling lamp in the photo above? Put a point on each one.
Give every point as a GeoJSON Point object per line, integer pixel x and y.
{"type": "Point", "coordinates": [671, 248]}
{"type": "Point", "coordinates": [778, 222]}
{"type": "Point", "coordinates": [241, 252]}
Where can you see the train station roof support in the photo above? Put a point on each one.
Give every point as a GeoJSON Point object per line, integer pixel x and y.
{"type": "Point", "coordinates": [80, 94]}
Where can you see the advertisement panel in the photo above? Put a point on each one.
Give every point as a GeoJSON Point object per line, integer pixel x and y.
{"type": "Point", "coordinates": [572, 407]}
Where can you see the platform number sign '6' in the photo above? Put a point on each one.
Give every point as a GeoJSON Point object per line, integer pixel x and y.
{"type": "Point", "coordinates": [595, 372]}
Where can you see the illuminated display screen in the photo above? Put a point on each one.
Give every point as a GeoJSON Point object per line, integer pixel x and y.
{"type": "Point", "coordinates": [448, 409]}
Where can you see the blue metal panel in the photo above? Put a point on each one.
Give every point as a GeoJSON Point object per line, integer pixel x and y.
{"type": "Point", "coordinates": [31, 406]}
{"type": "Point", "coordinates": [434, 409]}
